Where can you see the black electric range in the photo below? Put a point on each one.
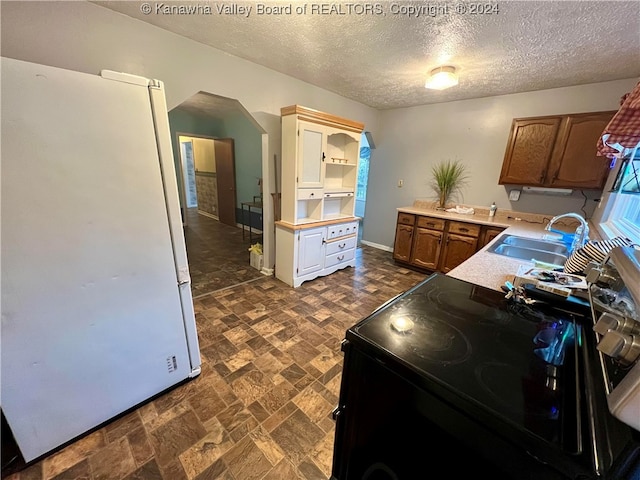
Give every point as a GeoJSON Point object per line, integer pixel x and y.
{"type": "Point", "coordinates": [454, 364]}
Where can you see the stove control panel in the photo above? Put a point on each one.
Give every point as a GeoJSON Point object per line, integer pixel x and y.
{"type": "Point", "coordinates": [614, 294]}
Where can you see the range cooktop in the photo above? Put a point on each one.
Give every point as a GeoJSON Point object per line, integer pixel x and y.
{"type": "Point", "coordinates": [469, 341]}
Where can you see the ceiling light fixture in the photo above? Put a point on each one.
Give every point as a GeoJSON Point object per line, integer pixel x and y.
{"type": "Point", "coordinates": [441, 78]}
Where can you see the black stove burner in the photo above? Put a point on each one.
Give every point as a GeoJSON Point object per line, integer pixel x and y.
{"type": "Point", "coordinates": [449, 302]}
{"type": "Point", "coordinates": [437, 341]}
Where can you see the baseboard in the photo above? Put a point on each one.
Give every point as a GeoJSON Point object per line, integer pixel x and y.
{"type": "Point", "coordinates": [207, 214]}
{"type": "Point", "coordinates": [377, 245]}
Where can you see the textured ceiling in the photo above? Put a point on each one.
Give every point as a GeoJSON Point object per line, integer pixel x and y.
{"type": "Point", "coordinates": [382, 58]}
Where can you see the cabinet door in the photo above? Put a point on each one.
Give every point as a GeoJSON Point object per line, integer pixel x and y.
{"type": "Point", "coordinates": [457, 249]}
{"type": "Point", "coordinates": [529, 150]}
{"type": "Point", "coordinates": [488, 234]}
{"type": "Point", "coordinates": [426, 248]}
{"type": "Point", "coordinates": [402, 244]}
{"type": "Point", "coordinates": [311, 148]}
{"type": "Point", "coordinates": [575, 163]}
{"type": "Point", "coordinates": [310, 251]}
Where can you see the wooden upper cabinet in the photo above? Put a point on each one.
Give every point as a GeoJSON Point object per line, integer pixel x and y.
{"type": "Point", "coordinates": [556, 151]}
{"type": "Point", "coordinates": [529, 150]}
{"type": "Point", "coordinates": [574, 163]}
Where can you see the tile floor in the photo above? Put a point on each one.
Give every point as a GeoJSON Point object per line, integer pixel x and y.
{"type": "Point", "coordinates": [261, 409]}
{"type": "Point", "coordinates": [218, 254]}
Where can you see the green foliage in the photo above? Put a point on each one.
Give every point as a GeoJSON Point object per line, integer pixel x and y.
{"type": "Point", "coordinates": [448, 177]}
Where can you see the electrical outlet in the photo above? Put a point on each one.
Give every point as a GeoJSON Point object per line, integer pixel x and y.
{"type": "Point", "coordinates": [400, 183]}
{"type": "Point", "coordinates": [514, 195]}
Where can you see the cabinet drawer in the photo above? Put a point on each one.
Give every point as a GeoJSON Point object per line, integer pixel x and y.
{"type": "Point", "coordinates": [470, 229]}
{"type": "Point", "coordinates": [339, 257]}
{"type": "Point", "coordinates": [406, 218]}
{"type": "Point", "coordinates": [310, 193]}
{"type": "Point", "coordinates": [430, 222]}
{"type": "Point", "coordinates": [340, 230]}
{"type": "Point", "coordinates": [341, 245]}
{"type": "Point", "coordinates": [338, 194]}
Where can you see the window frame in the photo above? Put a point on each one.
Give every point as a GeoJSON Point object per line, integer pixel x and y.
{"type": "Point", "coordinates": [615, 214]}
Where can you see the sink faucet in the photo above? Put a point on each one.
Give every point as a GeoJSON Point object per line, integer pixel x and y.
{"type": "Point", "coordinates": [582, 232]}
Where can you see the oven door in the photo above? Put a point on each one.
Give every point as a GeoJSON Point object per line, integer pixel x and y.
{"type": "Point", "coordinates": [389, 427]}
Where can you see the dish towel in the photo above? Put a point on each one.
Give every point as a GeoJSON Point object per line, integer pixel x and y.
{"type": "Point", "coordinates": [459, 209]}
{"type": "Point", "coordinates": [593, 251]}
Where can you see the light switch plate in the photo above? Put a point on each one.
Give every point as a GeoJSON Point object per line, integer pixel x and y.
{"type": "Point", "coordinates": [514, 195]}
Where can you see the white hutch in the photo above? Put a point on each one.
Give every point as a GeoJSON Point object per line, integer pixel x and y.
{"type": "Point", "coordinates": [317, 232]}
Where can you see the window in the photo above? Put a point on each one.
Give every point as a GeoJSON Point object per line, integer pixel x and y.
{"type": "Point", "coordinates": [621, 214]}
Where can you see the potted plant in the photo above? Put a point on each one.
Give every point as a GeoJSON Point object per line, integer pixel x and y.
{"type": "Point", "coordinates": [448, 177]}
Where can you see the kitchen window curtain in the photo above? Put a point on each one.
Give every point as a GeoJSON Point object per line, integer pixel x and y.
{"type": "Point", "coordinates": [623, 131]}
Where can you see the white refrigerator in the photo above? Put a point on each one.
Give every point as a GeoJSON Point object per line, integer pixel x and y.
{"type": "Point", "coordinates": [97, 312]}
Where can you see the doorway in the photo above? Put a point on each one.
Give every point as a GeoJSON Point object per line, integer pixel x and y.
{"type": "Point", "coordinates": [218, 255]}
{"type": "Point", "coordinates": [208, 166]}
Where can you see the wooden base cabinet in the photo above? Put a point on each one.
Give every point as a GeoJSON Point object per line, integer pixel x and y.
{"type": "Point", "coordinates": [457, 249]}
{"type": "Point", "coordinates": [307, 252]}
{"type": "Point", "coordinates": [426, 248]}
{"type": "Point", "coordinates": [487, 234]}
{"type": "Point", "coordinates": [430, 243]}
{"type": "Point", "coordinates": [461, 242]}
{"type": "Point", "coordinates": [404, 237]}
{"type": "Point", "coordinates": [427, 244]}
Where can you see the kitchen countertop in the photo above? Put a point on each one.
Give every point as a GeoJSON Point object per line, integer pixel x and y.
{"type": "Point", "coordinates": [484, 268]}
{"type": "Point", "coordinates": [491, 269]}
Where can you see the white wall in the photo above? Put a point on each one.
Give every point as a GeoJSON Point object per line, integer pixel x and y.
{"type": "Point", "coordinates": [411, 140]}
{"type": "Point", "coordinates": [88, 38]}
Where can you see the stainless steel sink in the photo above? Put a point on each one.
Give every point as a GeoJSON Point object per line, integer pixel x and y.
{"type": "Point", "coordinates": [546, 245]}
{"type": "Point", "coordinates": [530, 254]}
{"type": "Point", "coordinates": [530, 249]}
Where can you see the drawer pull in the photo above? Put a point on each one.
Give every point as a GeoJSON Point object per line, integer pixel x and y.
{"type": "Point", "coordinates": [342, 245]}
{"type": "Point", "coordinates": [340, 258]}
{"type": "Point", "coordinates": [311, 194]}
{"type": "Point", "coordinates": [431, 224]}
{"type": "Point", "coordinates": [464, 229]}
